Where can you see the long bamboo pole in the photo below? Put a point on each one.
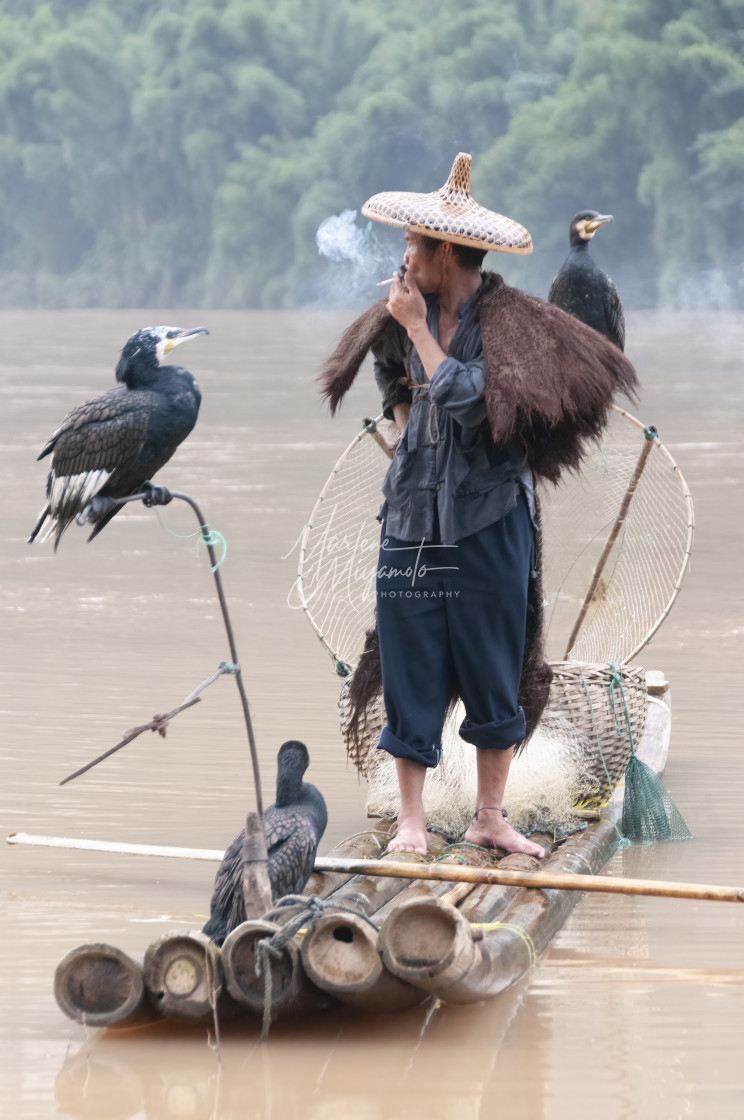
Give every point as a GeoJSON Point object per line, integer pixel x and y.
{"type": "Point", "coordinates": [651, 435]}
{"type": "Point", "coordinates": [437, 872]}
{"type": "Point", "coordinates": [537, 879]}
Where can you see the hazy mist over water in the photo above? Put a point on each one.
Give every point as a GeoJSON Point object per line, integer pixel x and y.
{"type": "Point", "coordinates": [637, 1005]}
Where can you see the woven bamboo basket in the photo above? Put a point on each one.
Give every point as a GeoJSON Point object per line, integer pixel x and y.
{"type": "Point", "coordinates": [605, 704]}
{"type": "Point", "coordinates": [592, 698]}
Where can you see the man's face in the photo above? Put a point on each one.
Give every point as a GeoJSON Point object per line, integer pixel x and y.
{"type": "Point", "coordinates": [425, 266]}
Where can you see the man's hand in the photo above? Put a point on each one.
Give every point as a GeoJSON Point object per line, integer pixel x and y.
{"type": "Point", "coordinates": [407, 305]}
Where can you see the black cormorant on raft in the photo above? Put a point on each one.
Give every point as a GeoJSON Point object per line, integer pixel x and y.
{"type": "Point", "coordinates": [111, 446]}
{"type": "Point", "coordinates": [582, 289]}
{"type": "Point", "coordinates": [294, 826]}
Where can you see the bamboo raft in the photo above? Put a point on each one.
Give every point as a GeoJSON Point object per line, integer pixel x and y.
{"type": "Point", "coordinates": [372, 943]}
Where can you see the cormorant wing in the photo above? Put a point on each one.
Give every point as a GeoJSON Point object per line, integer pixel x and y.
{"type": "Point", "coordinates": [614, 315]}
{"type": "Point", "coordinates": [292, 843]}
{"type": "Point", "coordinates": [104, 434]}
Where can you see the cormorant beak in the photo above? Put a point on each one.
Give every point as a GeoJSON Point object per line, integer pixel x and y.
{"type": "Point", "coordinates": [601, 220]}
{"type": "Point", "coordinates": [183, 336]}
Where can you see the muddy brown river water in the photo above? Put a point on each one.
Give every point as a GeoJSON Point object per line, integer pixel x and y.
{"type": "Point", "coordinates": [637, 1010]}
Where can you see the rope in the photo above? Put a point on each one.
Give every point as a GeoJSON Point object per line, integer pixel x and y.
{"type": "Point", "coordinates": [208, 537]}
{"type": "Point", "coordinates": [271, 948]}
{"type": "Point", "coordinates": [616, 682]}
{"type": "Point", "coordinates": [522, 933]}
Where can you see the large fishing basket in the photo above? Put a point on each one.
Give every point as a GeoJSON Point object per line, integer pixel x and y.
{"type": "Point", "coordinates": [607, 706]}
{"type": "Point", "coordinates": [603, 704]}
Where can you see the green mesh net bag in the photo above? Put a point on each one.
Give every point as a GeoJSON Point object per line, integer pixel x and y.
{"type": "Point", "coordinates": [649, 814]}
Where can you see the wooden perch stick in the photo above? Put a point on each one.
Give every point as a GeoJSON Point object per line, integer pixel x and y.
{"type": "Point", "coordinates": [157, 723]}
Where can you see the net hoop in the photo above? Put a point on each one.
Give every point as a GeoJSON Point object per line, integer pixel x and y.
{"type": "Point", "coordinates": [690, 532]}
{"type": "Point", "coordinates": [355, 481]}
{"type": "Point", "coordinates": [369, 430]}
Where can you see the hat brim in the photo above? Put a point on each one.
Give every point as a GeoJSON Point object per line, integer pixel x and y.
{"type": "Point", "coordinates": [449, 216]}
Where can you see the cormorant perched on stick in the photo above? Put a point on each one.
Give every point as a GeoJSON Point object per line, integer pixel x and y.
{"type": "Point", "coordinates": [294, 825]}
{"type": "Point", "coordinates": [111, 446]}
{"type": "Point", "coordinates": [582, 289]}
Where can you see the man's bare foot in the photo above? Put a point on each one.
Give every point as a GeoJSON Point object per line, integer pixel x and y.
{"type": "Point", "coordinates": [491, 830]}
{"type": "Point", "coordinates": [410, 837]}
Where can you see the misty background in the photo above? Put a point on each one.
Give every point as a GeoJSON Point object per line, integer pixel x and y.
{"type": "Point", "coordinates": [204, 152]}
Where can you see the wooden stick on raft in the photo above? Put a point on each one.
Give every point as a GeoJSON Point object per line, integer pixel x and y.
{"type": "Point", "coordinates": [651, 435]}
{"type": "Point", "coordinates": [537, 879]}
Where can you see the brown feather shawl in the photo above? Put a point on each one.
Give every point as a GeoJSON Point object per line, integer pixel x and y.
{"type": "Point", "coordinates": [550, 381]}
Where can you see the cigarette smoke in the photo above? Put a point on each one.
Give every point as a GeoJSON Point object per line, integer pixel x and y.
{"type": "Point", "coordinates": [358, 258]}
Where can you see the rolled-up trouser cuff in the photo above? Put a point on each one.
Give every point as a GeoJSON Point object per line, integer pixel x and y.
{"type": "Point", "coordinates": [396, 747]}
{"type": "Point", "coordinates": [501, 736]}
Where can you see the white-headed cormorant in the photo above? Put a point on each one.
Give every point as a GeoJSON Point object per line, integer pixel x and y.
{"type": "Point", "coordinates": [294, 825]}
{"type": "Point", "coordinates": [582, 289]}
{"type": "Point", "coordinates": [111, 446]}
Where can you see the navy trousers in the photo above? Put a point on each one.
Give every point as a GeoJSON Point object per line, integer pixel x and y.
{"type": "Point", "coordinates": [454, 614]}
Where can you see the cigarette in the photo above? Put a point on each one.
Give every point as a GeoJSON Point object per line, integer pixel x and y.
{"type": "Point", "coordinates": [401, 274]}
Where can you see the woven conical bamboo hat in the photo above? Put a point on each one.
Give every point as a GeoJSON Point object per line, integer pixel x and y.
{"type": "Point", "coordinates": [450, 214]}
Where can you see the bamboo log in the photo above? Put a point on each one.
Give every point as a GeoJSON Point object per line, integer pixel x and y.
{"type": "Point", "coordinates": [364, 845]}
{"type": "Point", "coordinates": [340, 953]}
{"type": "Point", "coordinates": [340, 956]}
{"type": "Point", "coordinates": [462, 855]}
{"type": "Point", "coordinates": [650, 434]}
{"type": "Point", "coordinates": [486, 902]}
{"type": "Point", "coordinates": [369, 894]}
{"type": "Point", "coordinates": [290, 988]}
{"type": "Point", "coordinates": [183, 975]}
{"type": "Point", "coordinates": [435, 947]}
{"type": "Point", "coordinates": [101, 986]}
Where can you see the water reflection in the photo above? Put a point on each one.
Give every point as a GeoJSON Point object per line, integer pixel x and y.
{"type": "Point", "coordinates": [315, 1073]}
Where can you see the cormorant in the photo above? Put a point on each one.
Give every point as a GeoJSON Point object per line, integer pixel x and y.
{"type": "Point", "coordinates": [582, 289]}
{"type": "Point", "coordinates": [294, 826]}
{"type": "Point", "coordinates": [111, 446]}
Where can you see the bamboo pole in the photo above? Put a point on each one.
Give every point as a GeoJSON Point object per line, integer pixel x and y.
{"type": "Point", "coordinates": [437, 872]}
{"type": "Point", "coordinates": [535, 879]}
{"type": "Point", "coordinates": [114, 846]}
{"type": "Point", "coordinates": [651, 434]}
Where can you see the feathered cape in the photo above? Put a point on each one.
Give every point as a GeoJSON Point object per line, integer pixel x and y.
{"type": "Point", "coordinates": [550, 382]}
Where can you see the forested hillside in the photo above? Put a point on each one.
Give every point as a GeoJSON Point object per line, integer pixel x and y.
{"type": "Point", "coordinates": [184, 152]}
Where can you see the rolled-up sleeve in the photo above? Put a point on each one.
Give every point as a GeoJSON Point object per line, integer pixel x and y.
{"type": "Point", "coordinates": [390, 370]}
{"type": "Point", "coordinates": [459, 388]}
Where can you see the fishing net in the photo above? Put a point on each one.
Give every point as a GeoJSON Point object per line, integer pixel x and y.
{"type": "Point", "coordinates": [641, 546]}
{"type": "Point", "coordinates": [643, 570]}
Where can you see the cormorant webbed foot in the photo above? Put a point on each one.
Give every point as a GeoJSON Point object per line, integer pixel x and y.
{"type": "Point", "coordinates": [97, 507]}
{"type": "Point", "coordinates": [156, 495]}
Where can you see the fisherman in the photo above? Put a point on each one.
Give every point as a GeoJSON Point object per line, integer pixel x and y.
{"type": "Point", "coordinates": [488, 387]}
